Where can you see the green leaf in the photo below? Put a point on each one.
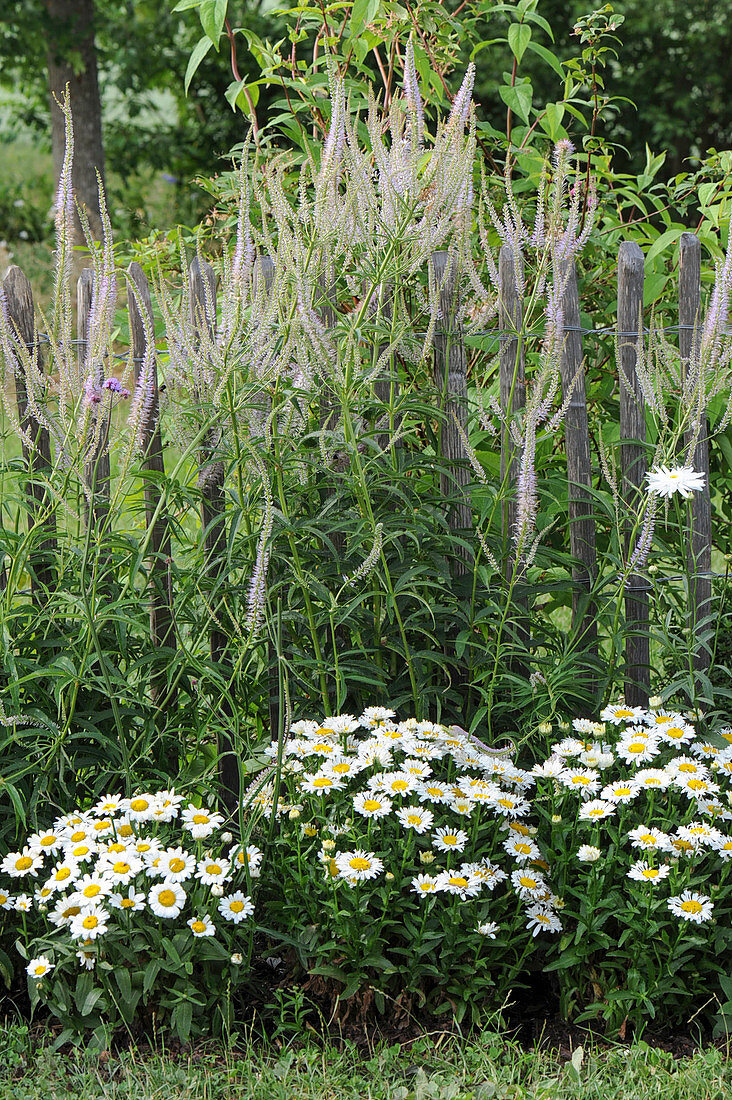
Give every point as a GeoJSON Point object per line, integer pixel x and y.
{"type": "Point", "coordinates": [212, 15]}
{"type": "Point", "coordinates": [552, 121]}
{"type": "Point", "coordinates": [199, 52]}
{"type": "Point", "coordinates": [235, 97]}
{"type": "Point", "coordinates": [186, 5]}
{"type": "Point", "coordinates": [363, 12]}
{"type": "Point", "coordinates": [518, 98]}
{"type": "Point", "coordinates": [551, 59]}
{"type": "Point", "coordinates": [181, 1020]}
{"type": "Point", "coordinates": [151, 972]}
{"type": "Point", "coordinates": [519, 36]}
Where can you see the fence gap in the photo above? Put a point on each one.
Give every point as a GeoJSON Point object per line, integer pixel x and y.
{"type": "Point", "coordinates": [633, 462]}
{"type": "Point", "coordinates": [699, 533]}
{"type": "Point", "coordinates": [96, 468]}
{"type": "Point", "coordinates": [582, 536]}
{"type": "Point", "coordinates": [162, 627]}
{"type": "Point", "coordinates": [37, 454]}
{"type": "Point", "coordinates": [512, 386]}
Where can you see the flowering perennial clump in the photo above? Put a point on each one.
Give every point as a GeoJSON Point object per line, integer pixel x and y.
{"type": "Point", "coordinates": [123, 884]}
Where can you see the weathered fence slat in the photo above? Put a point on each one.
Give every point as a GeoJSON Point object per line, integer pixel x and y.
{"type": "Point", "coordinates": [37, 456]}
{"type": "Point", "coordinates": [202, 299]}
{"type": "Point", "coordinates": [162, 629]}
{"type": "Point", "coordinates": [699, 551]}
{"type": "Point", "coordinates": [582, 540]}
{"type": "Point", "coordinates": [512, 386]}
{"type": "Point", "coordinates": [96, 468]}
{"type": "Point", "coordinates": [633, 463]}
{"type": "Point", "coordinates": [450, 372]}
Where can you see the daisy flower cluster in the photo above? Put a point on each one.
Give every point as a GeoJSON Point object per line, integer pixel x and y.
{"type": "Point", "coordinates": [421, 809]}
{"type": "Point", "coordinates": [649, 787]}
{"type": "Point", "coordinates": [150, 861]}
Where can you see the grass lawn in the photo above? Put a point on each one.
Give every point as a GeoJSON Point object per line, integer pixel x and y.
{"type": "Point", "coordinates": [441, 1067]}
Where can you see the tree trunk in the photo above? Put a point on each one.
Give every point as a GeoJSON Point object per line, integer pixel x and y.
{"type": "Point", "coordinates": [72, 60]}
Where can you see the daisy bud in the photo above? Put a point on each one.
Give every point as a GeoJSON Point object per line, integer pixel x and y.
{"type": "Point", "coordinates": [556, 818]}
{"type": "Point", "coordinates": [389, 877]}
{"type": "Point", "coordinates": [226, 838]}
{"type": "Point", "coordinates": [545, 727]}
{"type": "Point", "coordinates": [655, 701]}
{"type": "Point", "coordinates": [328, 845]}
{"type": "Point", "coordinates": [294, 813]}
{"type": "Point", "coordinates": [426, 857]}
{"type": "Point", "coordinates": [237, 959]}
{"type": "Point", "coordinates": [217, 890]}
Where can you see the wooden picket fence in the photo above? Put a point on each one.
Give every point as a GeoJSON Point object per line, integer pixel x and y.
{"type": "Point", "coordinates": [450, 369]}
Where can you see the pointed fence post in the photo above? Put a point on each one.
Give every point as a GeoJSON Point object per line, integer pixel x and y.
{"type": "Point", "coordinates": [699, 551]}
{"type": "Point", "coordinates": [450, 369]}
{"type": "Point", "coordinates": [162, 628]}
{"type": "Point", "coordinates": [582, 540]}
{"type": "Point", "coordinates": [96, 468]}
{"type": "Point", "coordinates": [37, 455]}
{"type": "Point", "coordinates": [633, 463]}
{"type": "Point", "coordinates": [512, 385]}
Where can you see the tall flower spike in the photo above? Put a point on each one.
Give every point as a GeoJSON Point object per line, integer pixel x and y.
{"type": "Point", "coordinates": [413, 97]}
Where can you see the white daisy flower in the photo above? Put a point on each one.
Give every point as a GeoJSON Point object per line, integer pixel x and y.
{"type": "Point", "coordinates": [449, 840]}
{"type": "Point", "coordinates": [23, 903]}
{"type": "Point", "coordinates": [250, 857]}
{"type": "Point", "coordinates": [462, 806]}
{"type": "Point", "coordinates": [691, 906]}
{"type": "Point", "coordinates": [425, 884]}
{"type": "Point", "coordinates": [38, 968]}
{"type": "Point", "coordinates": [120, 869]}
{"type": "Point", "coordinates": [666, 481]}
{"type": "Point", "coordinates": [166, 899]}
{"type": "Point", "coordinates": [176, 864]}
{"type": "Point", "coordinates": [374, 716]}
{"type": "Point", "coordinates": [398, 783]}
{"type": "Point", "coordinates": [63, 875]}
{"type": "Point", "coordinates": [596, 809]}
{"type": "Point", "coordinates": [237, 958]}
{"type": "Point", "coordinates": [677, 732]}
{"type": "Point", "coordinates": [201, 927]}
{"type": "Point", "coordinates": [236, 907]}
{"type": "Point", "coordinates": [131, 901]}
{"type": "Point", "coordinates": [416, 818]}
{"type": "Point", "coordinates": [623, 790]}
{"type": "Point", "coordinates": [20, 864]}
{"type": "Point", "coordinates": [650, 839]}
{"type": "Point", "coordinates": [108, 806]}
{"type": "Point", "coordinates": [200, 822]}
{"type": "Point", "coordinates": [344, 766]}
{"type": "Point", "coordinates": [81, 853]}
{"type": "Point", "coordinates": [653, 778]}
{"type": "Point", "coordinates": [588, 853]}
{"type": "Point", "coordinates": [642, 871]}
{"type": "Point", "coordinates": [542, 919]}
{"type": "Point", "coordinates": [211, 870]}
{"type": "Point", "coordinates": [687, 765]}
{"type": "Point", "coordinates": [93, 887]}
{"type": "Point", "coordinates": [695, 786]}
{"type": "Point", "coordinates": [699, 833]}
{"type": "Point", "coordinates": [86, 959]}
{"type": "Point", "coordinates": [418, 768]}
{"type": "Point", "coordinates": [570, 746]}
{"type": "Point", "coordinates": [550, 768]}
{"type": "Point", "coordinates": [434, 791]}
{"type": "Point", "coordinates": [582, 780]}
{"type": "Point", "coordinates": [488, 929]}
{"type": "Point", "coordinates": [141, 807]}
{"type": "Point", "coordinates": [101, 827]}
{"type": "Point", "coordinates": [90, 923]}
{"type": "Point", "coordinates": [620, 713]}
{"type": "Point", "coordinates": [456, 882]}
{"type": "Point", "coordinates": [528, 884]}
{"type": "Point", "coordinates": [637, 750]}
{"type": "Point", "coordinates": [358, 865]}
{"type": "Point", "coordinates": [509, 805]}
{"type": "Point", "coordinates": [45, 841]}
{"type": "Point", "coordinates": [723, 845]}
{"type": "Point", "coordinates": [7, 901]}
{"type": "Point", "coordinates": [320, 783]}
{"type": "Point", "coordinates": [522, 848]}
{"type": "Point", "coordinates": [372, 804]}
{"type": "Point", "coordinates": [341, 723]}
{"type": "Point", "coordinates": [63, 911]}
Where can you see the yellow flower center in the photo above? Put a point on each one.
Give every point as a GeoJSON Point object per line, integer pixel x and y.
{"type": "Point", "coordinates": [23, 863]}
{"type": "Point", "coordinates": [71, 911]}
{"type": "Point", "coordinates": [167, 899]}
{"type": "Point", "coordinates": [121, 867]}
{"type": "Point", "coordinates": [213, 869]}
{"type": "Point", "coordinates": [39, 970]}
{"type": "Point", "coordinates": [427, 887]}
{"type": "Point", "coordinates": [78, 835]}
{"type": "Point", "coordinates": [102, 826]}
{"type": "Point", "coordinates": [449, 838]}
{"type": "Point", "coordinates": [201, 819]}
{"type": "Point", "coordinates": [413, 819]}
{"type": "Point", "coordinates": [62, 874]}
{"type": "Point", "coordinates": [458, 880]}
{"type": "Point", "coordinates": [177, 865]}
{"type": "Point", "coordinates": [323, 732]}
{"type": "Point", "coordinates": [198, 926]}
{"type": "Point", "coordinates": [91, 921]}
{"type": "Point", "coordinates": [115, 847]}
{"type": "Point", "coordinates": [139, 805]}
{"type": "Point", "coordinates": [648, 838]}
{"type": "Point", "coordinates": [236, 906]}
{"type": "Point", "coordinates": [696, 784]}
{"type": "Point", "coordinates": [522, 849]}
{"type": "Point", "coordinates": [126, 903]}
{"type": "Point", "coordinates": [371, 804]}
{"type": "Point", "coordinates": [637, 746]}
{"type": "Point", "coordinates": [399, 785]}
{"type": "Point", "coordinates": [322, 781]}
{"type": "Point", "coordinates": [661, 718]}
{"type": "Point", "coordinates": [691, 906]}
{"type": "Point", "coordinates": [620, 791]}
{"type": "Point", "coordinates": [322, 748]}
{"type": "Point", "coordinates": [81, 851]}
{"type": "Point", "coordinates": [597, 811]}
{"type": "Point", "coordinates": [650, 872]}
{"type": "Point", "coordinates": [528, 883]}
{"type": "Point", "coordinates": [623, 713]}
{"type": "Point", "coordinates": [688, 767]}
{"type": "Point", "coordinates": [342, 768]}
{"type": "Point", "coordinates": [674, 732]}
{"type": "Point", "coordinates": [48, 840]}
{"type": "Point", "coordinates": [125, 830]}
{"type": "Point", "coordinates": [359, 863]}
{"type": "Point", "coordinates": [310, 830]}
